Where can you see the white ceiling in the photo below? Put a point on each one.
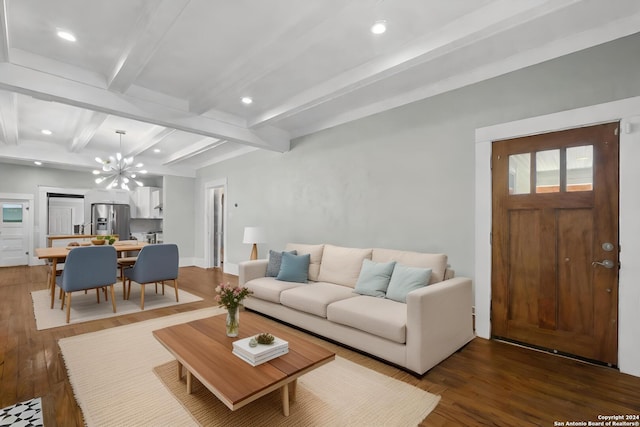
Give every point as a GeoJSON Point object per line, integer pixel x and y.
{"type": "Point", "coordinates": [172, 72]}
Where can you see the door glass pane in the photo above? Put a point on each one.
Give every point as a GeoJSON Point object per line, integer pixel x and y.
{"type": "Point", "coordinates": [580, 168]}
{"type": "Point", "coordinates": [520, 173]}
{"type": "Point", "coordinates": [548, 171]}
{"type": "Point", "coordinates": [11, 213]}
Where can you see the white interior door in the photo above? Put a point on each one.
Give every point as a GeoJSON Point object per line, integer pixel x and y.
{"type": "Point", "coordinates": [60, 220]}
{"type": "Point", "coordinates": [14, 236]}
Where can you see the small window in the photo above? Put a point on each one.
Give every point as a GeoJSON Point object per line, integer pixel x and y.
{"type": "Point", "coordinates": [520, 173]}
{"type": "Point", "coordinates": [11, 213]}
{"type": "Point", "coordinates": [548, 171]}
{"type": "Point", "coordinates": [580, 168]}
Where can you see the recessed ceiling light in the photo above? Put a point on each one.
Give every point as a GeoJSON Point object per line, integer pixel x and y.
{"type": "Point", "coordinates": [246, 100]}
{"type": "Point", "coordinates": [156, 150]}
{"type": "Point", "coordinates": [38, 163]}
{"type": "Point", "coordinates": [66, 35]}
{"type": "Point", "coordinates": [46, 132]}
{"type": "Point", "coordinates": [379, 27]}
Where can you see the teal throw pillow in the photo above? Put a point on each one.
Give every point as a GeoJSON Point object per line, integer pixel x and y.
{"type": "Point", "coordinates": [374, 278]}
{"type": "Point", "coordinates": [406, 279]}
{"type": "Point", "coordinates": [275, 259]}
{"type": "Point", "coordinates": [294, 268]}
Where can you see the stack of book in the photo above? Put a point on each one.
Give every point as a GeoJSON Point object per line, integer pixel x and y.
{"type": "Point", "coordinates": [261, 353]}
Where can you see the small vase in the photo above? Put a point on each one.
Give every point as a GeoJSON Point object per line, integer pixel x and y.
{"type": "Point", "coordinates": [233, 321]}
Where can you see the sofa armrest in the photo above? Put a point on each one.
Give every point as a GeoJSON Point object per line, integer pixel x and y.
{"type": "Point", "coordinates": [439, 322]}
{"type": "Point", "coordinates": [249, 270]}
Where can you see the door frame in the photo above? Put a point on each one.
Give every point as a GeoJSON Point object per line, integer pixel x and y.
{"type": "Point", "coordinates": [20, 198]}
{"type": "Point", "coordinates": [627, 111]}
{"type": "Point", "coordinates": [209, 188]}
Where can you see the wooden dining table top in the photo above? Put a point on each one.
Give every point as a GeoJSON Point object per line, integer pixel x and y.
{"type": "Point", "coordinates": [62, 252]}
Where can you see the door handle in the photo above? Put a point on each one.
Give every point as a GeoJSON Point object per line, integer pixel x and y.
{"type": "Point", "coordinates": [607, 263]}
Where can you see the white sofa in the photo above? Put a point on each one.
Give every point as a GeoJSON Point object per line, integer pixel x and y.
{"type": "Point", "coordinates": [435, 321]}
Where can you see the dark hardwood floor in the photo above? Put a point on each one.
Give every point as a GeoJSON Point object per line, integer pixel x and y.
{"type": "Point", "coordinates": [486, 383]}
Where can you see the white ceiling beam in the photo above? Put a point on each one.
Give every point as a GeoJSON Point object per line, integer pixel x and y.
{"type": "Point", "coordinates": [489, 20]}
{"type": "Point", "coordinates": [52, 156]}
{"type": "Point", "coordinates": [283, 47]}
{"type": "Point", "coordinates": [152, 25]}
{"type": "Point", "coordinates": [152, 138]}
{"type": "Point", "coordinates": [193, 150]}
{"type": "Point", "coordinates": [47, 87]}
{"type": "Point", "coordinates": [560, 47]}
{"type": "Point", "coordinates": [4, 32]}
{"type": "Point", "coordinates": [9, 117]}
{"type": "Point", "coordinates": [87, 129]}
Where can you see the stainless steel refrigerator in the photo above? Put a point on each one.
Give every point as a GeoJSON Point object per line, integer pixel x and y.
{"type": "Point", "coordinates": [110, 218]}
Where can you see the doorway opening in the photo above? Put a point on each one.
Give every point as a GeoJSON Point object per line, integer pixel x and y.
{"type": "Point", "coordinates": [215, 223]}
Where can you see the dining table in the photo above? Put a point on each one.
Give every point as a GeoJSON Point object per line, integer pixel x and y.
{"type": "Point", "coordinates": [57, 254]}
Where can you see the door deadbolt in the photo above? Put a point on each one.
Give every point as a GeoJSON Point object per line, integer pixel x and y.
{"type": "Point", "coordinates": [608, 246]}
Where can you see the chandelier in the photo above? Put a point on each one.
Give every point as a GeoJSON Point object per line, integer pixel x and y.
{"type": "Point", "coordinates": [118, 170]}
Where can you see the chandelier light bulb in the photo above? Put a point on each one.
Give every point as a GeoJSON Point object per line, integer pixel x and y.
{"type": "Point", "coordinates": [143, 171]}
{"type": "Point", "coordinates": [99, 160]}
{"type": "Point", "coordinates": [139, 165]}
{"type": "Point", "coordinates": [140, 184]}
{"type": "Point", "coordinates": [96, 172]}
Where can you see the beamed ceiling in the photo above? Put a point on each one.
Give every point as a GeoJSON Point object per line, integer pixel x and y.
{"type": "Point", "coordinates": [172, 72]}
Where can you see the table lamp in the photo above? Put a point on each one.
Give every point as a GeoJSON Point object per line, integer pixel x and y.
{"type": "Point", "coordinates": [253, 236]}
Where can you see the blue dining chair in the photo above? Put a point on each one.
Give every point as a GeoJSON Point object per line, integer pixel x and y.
{"type": "Point", "coordinates": [88, 267]}
{"type": "Point", "coordinates": [155, 263]}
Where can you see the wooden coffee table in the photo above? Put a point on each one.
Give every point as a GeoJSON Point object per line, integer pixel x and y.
{"type": "Point", "coordinates": [203, 348]}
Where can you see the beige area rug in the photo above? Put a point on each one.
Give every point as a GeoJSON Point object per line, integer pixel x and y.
{"type": "Point", "coordinates": [113, 379]}
{"type": "Point", "coordinates": [84, 307]}
{"type": "Point", "coordinates": [341, 393]}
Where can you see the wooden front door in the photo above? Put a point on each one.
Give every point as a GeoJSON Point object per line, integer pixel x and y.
{"type": "Point", "coordinates": [555, 241]}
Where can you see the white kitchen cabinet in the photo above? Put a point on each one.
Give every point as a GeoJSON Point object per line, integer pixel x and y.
{"type": "Point", "coordinates": [144, 201]}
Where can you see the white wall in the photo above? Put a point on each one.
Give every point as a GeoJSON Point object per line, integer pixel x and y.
{"type": "Point", "coordinates": [178, 216]}
{"type": "Point", "coordinates": [407, 178]}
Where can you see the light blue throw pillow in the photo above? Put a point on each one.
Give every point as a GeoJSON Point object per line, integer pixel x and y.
{"type": "Point", "coordinates": [294, 268]}
{"type": "Point", "coordinates": [406, 279]}
{"type": "Point", "coordinates": [374, 278]}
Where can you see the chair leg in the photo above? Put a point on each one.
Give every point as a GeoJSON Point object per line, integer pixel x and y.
{"type": "Point", "coordinates": [141, 296]}
{"type": "Point", "coordinates": [68, 298]}
{"type": "Point", "coordinates": [156, 287]}
{"type": "Point", "coordinates": [175, 286]}
{"type": "Point", "coordinates": [98, 295]}
{"type": "Point", "coordinates": [113, 298]}
{"type": "Point", "coordinates": [64, 298]}
{"type": "Point", "coordinates": [128, 288]}
{"type": "Point", "coordinates": [163, 287]}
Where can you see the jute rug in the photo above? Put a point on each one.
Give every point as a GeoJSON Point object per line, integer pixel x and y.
{"type": "Point", "coordinates": [341, 393]}
{"type": "Point", "coordinates": [113, 379]}
{"type": "Point", "coordinates": [84, 307]}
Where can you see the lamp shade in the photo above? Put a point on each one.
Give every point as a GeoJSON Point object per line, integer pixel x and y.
{"type": "Point", "coordinates": [254, 235]}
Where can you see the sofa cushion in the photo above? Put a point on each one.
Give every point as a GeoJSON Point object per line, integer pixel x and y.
{"type": "Point", "coordinates": [294, 268]}
{"type": "Point", "coordinates": [315, 297]}
{"type": "Point", "coordinates": [374, 278]}
{"type": "Point", "coordinates": [269, 288]}
{"type": "Point", "coordinates": [342, 265]}
{"type": "Point", "coordinates": [378, 316]}
{"type": "Point", "coordinates": [436, 262]}
{"type": "Point", "coordinates": [315, 253]}
{"type": "Point", "coordinates": [275, 260]}
{"type": "Point", "coordinates": [406, 279]}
